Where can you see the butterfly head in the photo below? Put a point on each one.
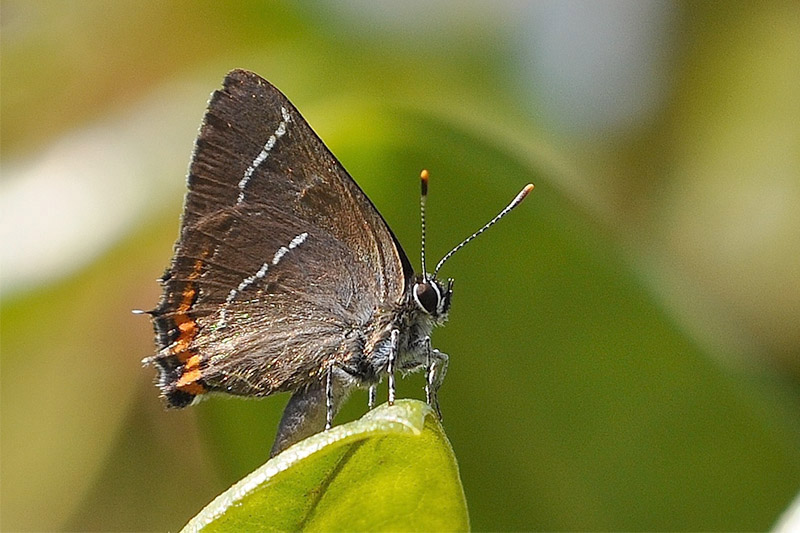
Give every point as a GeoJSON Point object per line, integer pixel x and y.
{"type": "Point", "coordinates": [432, 297]}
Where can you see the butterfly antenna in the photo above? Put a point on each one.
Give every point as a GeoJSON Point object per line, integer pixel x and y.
{"type": "Point", "coordinates": [514, 203]}
{"type": "Point", "coordinates": [423, 180]}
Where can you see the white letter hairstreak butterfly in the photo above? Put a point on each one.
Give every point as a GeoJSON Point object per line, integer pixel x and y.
{"type": "Point", "coordinates": [285, 276]}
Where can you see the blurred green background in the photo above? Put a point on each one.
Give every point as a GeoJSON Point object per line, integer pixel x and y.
{"type": "Point", "coordinates": [625, 350]}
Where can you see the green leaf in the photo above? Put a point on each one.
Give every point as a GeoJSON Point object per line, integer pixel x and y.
{"type": "Point", "coordinates": [393, 469]}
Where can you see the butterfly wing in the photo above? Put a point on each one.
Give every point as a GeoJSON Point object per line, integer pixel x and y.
{"type": "Point", "coordinates": [282, 260]}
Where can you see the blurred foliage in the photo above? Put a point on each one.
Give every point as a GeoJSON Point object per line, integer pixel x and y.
{"type": "Point", "coordinates": [624, 350]}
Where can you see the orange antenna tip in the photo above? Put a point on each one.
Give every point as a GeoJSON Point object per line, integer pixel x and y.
{"type": "Point", "coordinates": [521, 196]}
{"type": "Point", "coordinates": [423, 180]}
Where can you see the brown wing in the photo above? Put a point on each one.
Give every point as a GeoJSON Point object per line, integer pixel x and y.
{"type": "Point", "coordinates": [281, 259]}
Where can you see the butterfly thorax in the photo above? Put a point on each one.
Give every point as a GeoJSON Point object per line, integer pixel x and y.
{"type": "Point", "coordinates": [424, 305]}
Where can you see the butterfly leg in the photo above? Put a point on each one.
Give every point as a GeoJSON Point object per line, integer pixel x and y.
{"type": "Point", "coordinates": [434, 376]}
{"type": "Point", "coordinates": [390, 368]}
{"type": "Point", "coordinates": [373, 391]}
{"type": "Point", "coordinates": [428, 370]}
{"type": "Point", "coordinates": [329, 399]}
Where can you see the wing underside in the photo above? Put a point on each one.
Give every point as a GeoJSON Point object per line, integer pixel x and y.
{"type": "Point", "coordinates": [282, 260]}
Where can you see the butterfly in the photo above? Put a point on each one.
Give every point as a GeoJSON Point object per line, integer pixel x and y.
{"type": "Point", "coordinates": [285, 277]}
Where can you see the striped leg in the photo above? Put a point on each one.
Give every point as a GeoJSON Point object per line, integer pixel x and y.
{"type": "Point", "coordinates": [329, 405]}
{"type": "Point", "coordinates": [434, 377]}
{"type": "Point", "coordinates": [390, 368]}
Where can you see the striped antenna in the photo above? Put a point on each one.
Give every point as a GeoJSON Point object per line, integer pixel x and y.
{"type": "Point", "coordinates": [423, 180]}
{"type": "Point", "coordinates": [514, 203]}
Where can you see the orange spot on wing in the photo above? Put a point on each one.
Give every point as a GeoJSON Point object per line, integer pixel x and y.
{"type": "Point", "coordinates": [190, 382]}
{"type": "Point", "coordinates": [186, 324]}
{"type": "Point", "coordinates": [190, 379]}
{"type": "Point", "coordinates": [193, 363]}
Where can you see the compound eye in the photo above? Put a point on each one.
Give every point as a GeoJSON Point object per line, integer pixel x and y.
{"type": "Point", "coordinates": [427, 297]}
